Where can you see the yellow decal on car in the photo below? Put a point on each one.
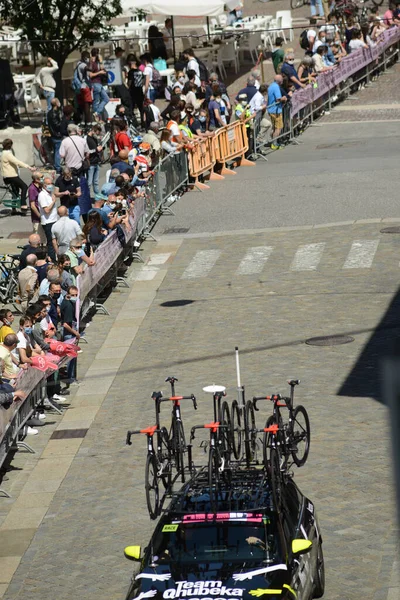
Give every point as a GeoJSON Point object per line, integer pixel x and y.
{"type": "Point", "coordinates": [260, 592]}
{"type": "Point", "coordinates": [285, 585]}
{"type": "Point", "coordinates": [169, 528]}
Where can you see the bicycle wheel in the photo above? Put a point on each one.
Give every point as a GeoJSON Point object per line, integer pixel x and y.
{"type": "Point", "coordinates": [151, 486]}
{"type": "Point", "coordinates": [164, 457]}
{"type": "Point", "coordinates": [300, 436]}
{"type": "Point", "coordinates": [213, 478]}
{"type": "Point", "coordinates": [226, 432]}
{"type": "Point", "coordinates": [236, 430]}
{"type": "Point", "coordinates": [267, 442]}
{"type": "Point", "coordinates": [178, 445]}
{"type": "Point", "coordinates": [275, 478]}
{"type": "Point", "coordinates": [250, 435]}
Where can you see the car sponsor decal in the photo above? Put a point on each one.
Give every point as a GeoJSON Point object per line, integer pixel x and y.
{"type": "Point", "coordinates": [228, 516]}
{"type": "Point", "coordinates": [169, 528]}
{"type": "Point", "coordinates": [148, 594]}
{"type": "Point", "coordinates": [202, 590]}
{"type": "Point", "coordinates": [261, 592]}
{"type": "Point", "coordinates": [154, 576]}
{"type": "Point", "coordinates": [251, 574]}
{"type": "Point", "coordinates": [291, 590]}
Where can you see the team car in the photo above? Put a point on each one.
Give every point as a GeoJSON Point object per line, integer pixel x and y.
{"type": "Point", "coordinates": [246, 549]}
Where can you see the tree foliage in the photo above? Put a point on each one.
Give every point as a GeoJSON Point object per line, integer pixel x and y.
{"type": "Point", "coordinates": [58, 27]}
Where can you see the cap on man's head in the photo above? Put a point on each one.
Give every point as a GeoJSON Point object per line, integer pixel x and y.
{"type": "Point", "coordinates": [100, 197]}
{"type": "Point", "coordinates": [242, 97]}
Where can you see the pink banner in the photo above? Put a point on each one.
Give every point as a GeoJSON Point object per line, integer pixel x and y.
{"type": "Point", "coordinates": [351, 64]}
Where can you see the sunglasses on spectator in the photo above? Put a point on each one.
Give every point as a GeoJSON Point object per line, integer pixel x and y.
{"type": "Point", "coordinates": [77, 246]}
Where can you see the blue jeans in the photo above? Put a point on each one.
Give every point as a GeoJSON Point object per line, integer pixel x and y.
{"type": "Point", "coordinates": [153, 93]}
{"type": "Point", "coordinates": [100, 98]}
{"type": "Point", "coordinates": [57, 144]}
{"type": "Point", "coordinates": [93, 178]}
{"type": "Point", "coordinates": [314, 5]}
{"type": "Point", "coordinates": [74, 212]}
{"type": "Point", "coordinates": [49, 97]}
{"type": "Point", "coordinates": [71, 368]}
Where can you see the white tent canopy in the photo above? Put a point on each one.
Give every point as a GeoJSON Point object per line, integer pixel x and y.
{"type": "Point", "coordinates": [180, 8]}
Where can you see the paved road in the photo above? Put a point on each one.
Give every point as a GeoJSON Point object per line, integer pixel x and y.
{"type": "Point", "coordinates": [79, 501]}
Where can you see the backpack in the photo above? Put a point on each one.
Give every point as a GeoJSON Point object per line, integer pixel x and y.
{"type": "Point", "coordinates": [204, 74]}
{"type": "Point", "coordinates": [304, 43]}
{"type": "Point", "coordinates": [76, 80]}
{"type": "Point", "coordinates": [156, 79]}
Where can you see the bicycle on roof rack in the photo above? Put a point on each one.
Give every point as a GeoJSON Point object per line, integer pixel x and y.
{"type": "Point", "coordinates": [293, 437]}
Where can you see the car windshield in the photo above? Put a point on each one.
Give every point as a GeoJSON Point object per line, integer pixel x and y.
{"type": "Point", "coordinates": [224, 541]}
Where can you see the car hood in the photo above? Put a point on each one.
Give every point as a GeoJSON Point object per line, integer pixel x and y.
{"type": "Point", "coordinates": [211, 581]}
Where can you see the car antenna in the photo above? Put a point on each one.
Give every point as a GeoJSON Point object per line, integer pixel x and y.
{"type": "Point", "coordinates": [240, 387]}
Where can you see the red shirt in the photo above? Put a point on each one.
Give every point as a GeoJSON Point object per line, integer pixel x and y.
{"type": "Point", "coordinates": [123, 141]}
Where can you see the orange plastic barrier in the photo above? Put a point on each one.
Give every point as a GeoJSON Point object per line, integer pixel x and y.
{"type": "Point", "coordinates": [202, 160]}
{"type": "Point", "coordinates": [230, 142]}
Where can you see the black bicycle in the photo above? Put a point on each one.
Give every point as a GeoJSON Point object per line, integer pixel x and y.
{"type": "Point", "coordinates": [294, 436]}
{"type": "Point", "coordinates": [243, 427]}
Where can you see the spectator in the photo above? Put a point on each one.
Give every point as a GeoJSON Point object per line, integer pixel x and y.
{"type": "Point", "coordinates": [203, 120]}
{"type": "Point", "coordinates": [256, 73]}
{"type": "Point", "coordinates": [68, 190]}
{"type": "Point", "coordinates": [193, 122]}
{"type": "Point", "coordinates": [77, 255]}
{"type": "Point", "coordinates": [93, 230]}
{"type": "Point", "coordinates": [33, 193]}
{"type": "Point", "coordinates": [11, 363]}
{"type": "Point", "coordinates": [167, 33]}
{"type": "Point", "coordinates": [242, 111]}
{"type": "Point", "coordinates": [6, 320]}
{"type": "Point", "coordinates": [69, 327]}
{"type": "Point", "coordinates": [192, 64]}
{"type": "Point", "coordinates": [10, 173]}
{"type": "Point", "coordinates": [68, 112]}
{"type": "Point", "coordinates": [26, 347]}
{"type": "Point", "coordinates": [119, 164]}
{"type": "Point", "coordinates": [36, 312]}
{"type": "Point", "coordinates": [151, 113]}
{"type": "Point", "coordinates": [122, 140]}
{"type": "Point", "coordinates": [64, 270]}
{"type": "Point", "coordinates": [173, 105]}
{"type": "Point", "coordinates": [157, 46]}
{"type": "Point", "coordinates": [95, 149]}
{"type": "Point", "coordinates": [259, 100]}
{"type": "Point", "coordinates": [55, 295]}
{"type": "Point", "coordinates": [74, 150]}
{"type": "Point", "coordinates": [217, 109]}
{"type": "Point", "coordinates": [63, 231]}
{"type": "Point", "coordinates": [305, 71]}
{"type": "Point", "coordinates": [275, 101]}
{"type": "Point", "coordinates": [321, 40]}
{"type": "Point", "coordinates": [350, 27]}
{"type": "Point", "coordinates": [48, 212]}
{"type": "Point", "coordinates": [46, 80]}
{"type": "Point", "coordinates": [318, 61]}
{"type": "Point", "coordinates": [190, 95]}
{"type": "Point", "coordinates": [84, 96]}
{"type": "Point", "coordinates": [288, 69]}
{"type": "Point", "coordinates": [7, 393]}
{"type": "Point", "coordinates": [150, 82]}
{"type": "Point", "coordinates": [136, 80]}
{"type": "Point", "coordinates": [119, 52]}
{"type": "Point", "coordinates": [213, 80]}
{"type": "Point", "coordinates": [41, 264]}
{"type": "Point", "coordinates": [173, 127]}
{"type": "Point", "coordinates": [98, 79]}
{"type": "Point", "coordinates": [168, 145]}
{"type": "Point", "coordinates": [250, 89]}
{"type": "Point", "coordinates": [388, 17]}
{"type": "Point", "coordinates": [317, 4]}
{"type": "Point", "coordinates": [151, 137]}
{"type": "Point", "coordinates": [52, 276]}
{"type": "Point", "coordinates": [46, 324]}
{"type": "Point", "coordinates": [54, 123]}
{"type": "Point", "coordinates": [28, 282]}
{"type": "Point", "coordinates": [377, 29]}
{"type": "Point", "coordinates": [32, 248]}
{"type": "Point", "coordinates": [330, 29]}
{"type": "Point", "coordinates": [278, 54]}
{"type": "Point", "coordinates": [357, 41]}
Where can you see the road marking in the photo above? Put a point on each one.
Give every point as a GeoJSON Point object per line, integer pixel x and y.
{"type": "Point", "coordinates": [307, 257]}
{"type": "Point", "coordinates": [201, 264]}
{"type": "Point", "coordinates": [158, 259]}
{"type": "Point", "coordinates": [254, 260]}
{"type": "Point", "coordinates": [361, 254]}
{"type": "Point", "coordinates": [147, 273]}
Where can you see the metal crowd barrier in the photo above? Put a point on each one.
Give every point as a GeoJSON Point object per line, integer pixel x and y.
{"type": "Point", "coordinates": [308, 104]}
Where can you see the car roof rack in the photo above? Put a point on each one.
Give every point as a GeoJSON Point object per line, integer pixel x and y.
{"type": "Point", "coordinates": [241, 490]}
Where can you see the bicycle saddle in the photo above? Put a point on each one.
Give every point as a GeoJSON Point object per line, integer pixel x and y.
{"type": "Point", "coordinates": [294, 382]}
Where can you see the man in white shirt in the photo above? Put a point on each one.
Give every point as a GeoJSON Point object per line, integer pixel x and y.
{"type": "Point", "coordinates": [311, 33]}
{"type": "Point", "coordinates": [192, 64]}
{"type": "Point", "coordinates": [167, 36]}
{"type": "Point", "coordinates": [259, 102]}
{"type": "Point", "coordinates": [74, 149]}
{"type": "Point", "coordinates": [63, 231]}
{"type": "Point", "coordinates": [46, 80]}
{"type": "Point", "coordinates": [48, 212]}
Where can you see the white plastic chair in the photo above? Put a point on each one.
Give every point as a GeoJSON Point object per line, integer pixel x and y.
{"type": "Point", "coordinates": [229, 55]}
{"type": "Point", "coordinates": [223, 20]}
{"type": "Point", "coordinates": [275, 27]}
{"type": "Point", "coordinates": [218, 63]}
{"type": "Point", "coordinates": [286, 22]}
{"type": "Point", "coordinates": [31, 94]}
{"type": "Point", "coordinates": [250, 43]}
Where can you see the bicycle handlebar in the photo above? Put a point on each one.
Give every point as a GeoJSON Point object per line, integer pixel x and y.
{"type": "Point", "coordinates": [273, 398]}
{"type": "Point", "coordinates": [160, 398]}
{"type": "Point", "coordinates": [212, 426]}
{"type": "Point", "coordinates": [147, 431]}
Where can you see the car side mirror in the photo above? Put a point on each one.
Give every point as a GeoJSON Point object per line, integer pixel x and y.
{"type": "Point", "coordinates": [301, 547]}
{"type": "Point", "coordinates": [133, 552]}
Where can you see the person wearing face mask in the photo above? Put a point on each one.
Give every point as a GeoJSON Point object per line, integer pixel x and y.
{"type": "Point", "coordinates": [26, 347]}
{"type": "Point", "coordinates": [55, 295]}
{"type": "Point", "coordinates": [242, 110]}
{"type": "Point", "coordinates": [6, 320]}
{"type": "Point", "coordinates": [48, 212]}
{"type": "Point", "coordinates": [77, 256]}
{"type": "Point", "coordinates": [46, 324]}
{"type": "Point", "coordinates": [64, 269]}
{"type": "Point", "coordinates": [68, 190]}
{"type": "Point", "coordinates": [69, 327]}
{"type": "Point", "coordinates": [288, 69]}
